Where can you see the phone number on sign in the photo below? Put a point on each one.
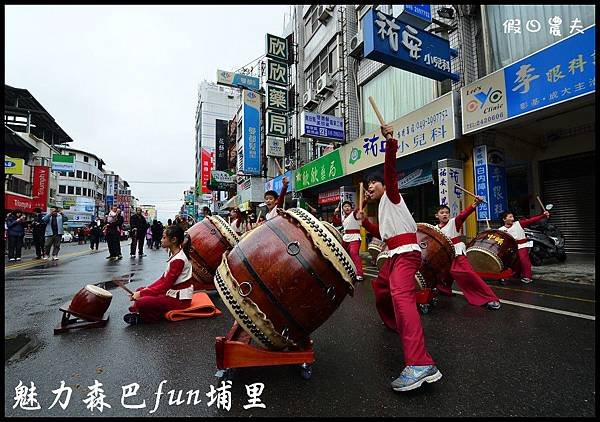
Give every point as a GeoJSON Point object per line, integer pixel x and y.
{"type": "Point", "coordinates": [434, 118]}
{"type": "Point", "coordinates": [485, 120]}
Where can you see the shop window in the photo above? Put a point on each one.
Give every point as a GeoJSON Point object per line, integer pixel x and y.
{"type": "Point", "coordinates": [397, 93]}
{"type": "Point", "coordinates": [62, 189]}
{"type": "Point", "coordinates": [507, 47]}
{"type": "Point", "coordinates": [70, 190]}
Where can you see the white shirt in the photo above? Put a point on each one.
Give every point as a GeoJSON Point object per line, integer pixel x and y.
{"type": "Point", "coordinates": [185, 275]}
{"type": "Point", "coordinates": [271, 214]}
{"type": "Point", "coordinates": [518, 233]}
{"type": "Point", "coordinates": [450, 230]}
{"type": "Point", "coordinates": [351, 223]}
{"type": "Point", "coordinates": [395, 219]}
{"type": "Point", "coordinates": [238, 230]}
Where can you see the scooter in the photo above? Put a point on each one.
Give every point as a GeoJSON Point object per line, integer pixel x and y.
{"type": "Point", "coordinates": [548, 242]}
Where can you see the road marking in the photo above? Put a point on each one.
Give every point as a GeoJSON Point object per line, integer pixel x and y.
{"type": "Point", "coordinates": [35, 262]}
{"type": "Point", "coordinates": [543, 294]}
{"type": "Point", "coordinates": [526, 305]}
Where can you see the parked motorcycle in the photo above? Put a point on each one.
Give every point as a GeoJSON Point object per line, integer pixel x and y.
{"type": "Point", "coordinates": [548, 242]}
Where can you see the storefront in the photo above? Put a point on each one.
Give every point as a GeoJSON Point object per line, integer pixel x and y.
{"type": "Point", "coordinates": [539, 112]}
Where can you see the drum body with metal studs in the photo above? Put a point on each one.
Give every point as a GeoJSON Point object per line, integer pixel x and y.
{"type": "Point", "coordinates": [375, 248]}
{"type": "Point", "coordinates": [437, 253]}
{"type": "Point", "coordinates": [90, 303]}
{"type": "Point", "coordinates": [492, 251]}
{"type": "Point", "coordinates": [210, 239]}
{"type": "Point", "coordinates": [285, 279]}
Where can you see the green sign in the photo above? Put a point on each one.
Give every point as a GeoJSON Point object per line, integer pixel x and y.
{"type": "Point", "coordinates": [221, 180]}
{"type": "Point", "coordinates": [321, 170]}
{"type": "Point", "coordinates": [63, 162]}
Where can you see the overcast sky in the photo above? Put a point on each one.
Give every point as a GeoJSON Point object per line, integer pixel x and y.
{"type": "Point", "coordinates": [122, 81]}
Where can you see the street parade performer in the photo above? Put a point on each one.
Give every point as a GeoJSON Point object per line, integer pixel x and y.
{"type": "Point", "coordinates": [275, 201]}
{"type": "Point", "coordinates": [173, 290]}
{"type": "Point", "coordinates": [476, 291]}
{"type": "Point", "coordinates": [394, 287]}
{"type": "Point", "coordinates": [515, 229]}
{"type": "Point", "coordinates": [351, 238]}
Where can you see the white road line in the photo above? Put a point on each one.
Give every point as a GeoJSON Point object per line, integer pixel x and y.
{"type": "Point", "coordinates": [526, 305]}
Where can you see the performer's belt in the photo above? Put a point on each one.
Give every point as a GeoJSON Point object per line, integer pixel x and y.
{"type": "Point", "coordinates": [401, 240]}
{"type": "Point", "coordinates": [456, 240]}
{"type": "Point", "coordinates": [521, 241]}
{"type": "Point", "coordinates": [351, 231]}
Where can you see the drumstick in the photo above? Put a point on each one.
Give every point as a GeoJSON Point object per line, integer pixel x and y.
{"type": "Point", "coordinates": [361, 191]}
{"type": "Point", "coordinates": [488, 223]}
{"type": "Point", "coordinates": [541, 204]}
{"type": "Point", "coordinates": [379, 116]}
{"type": "Point", "coordinates": [118, 283]}
{"type": "Point", "coordinates": [466, 191]}
{"type": "Point", "coordinates": [279, 167]}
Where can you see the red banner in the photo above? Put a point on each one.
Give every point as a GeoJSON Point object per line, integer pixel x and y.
{"type": "Point", "coordinates": [39, 191]}
{"type": "Point", "coordinates": [205, 170]}
{"type": "Point", "coordinates": [16, 202]}
{"type": "Point", "coordinates": [329, 197]}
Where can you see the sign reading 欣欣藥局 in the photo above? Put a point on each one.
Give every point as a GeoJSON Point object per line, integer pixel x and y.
{"type": "Point", "coordinates": [321, 126]}
{"type": "Point", "coordinates": [560, 72]}
{"type": "Point", "coordinates": [391, 41]}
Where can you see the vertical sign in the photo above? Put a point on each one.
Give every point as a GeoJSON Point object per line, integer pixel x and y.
{"type": "Point", "coordinates": [481, 182]}
{"type": "Point", "coordinates": [251, 134]}
{"type": "Point", "coordinates": [41, 175]}
{"type": "Point", "coordinates": [221, 144]}
{"type": "Point", "coordinates": [497, 183]}
{"type": "Point", "coordinates": [110, 190]}
{"type": "Point", "coordinates": [450, 174]}
{"type": "Point", "coordinates": [205, 170]}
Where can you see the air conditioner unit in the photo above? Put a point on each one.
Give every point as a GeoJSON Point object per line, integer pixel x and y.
{"type": "Point", "coordinates": [356, 45]}
{"type": "Point", "coordinates": [324, 13]}
{"type": "Point", "coordinates": [309, 100]}
{"type": "Point", "coordinates": [324, 84]}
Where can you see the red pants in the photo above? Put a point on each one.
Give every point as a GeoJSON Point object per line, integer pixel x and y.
{"type": "Point", "coordinates": [153, 308]}
{"type": "Point", "coordinates": [476, 291]}
{"type": "Point", "coordinates": [522, 266]}
{"type": "Point", "coordinates": [353, 249]}
{"type": "Point", "coordinates": [395, 297]}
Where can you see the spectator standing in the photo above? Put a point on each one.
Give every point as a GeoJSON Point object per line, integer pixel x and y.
{"type": "Point", "coordinates": [15, 224]}
{"type": "Point", "coordinates": [157, 232]}
{"type": "Point", "coordinates": [149, 237]}
{"type": "Point", "coordinates": [39, 232]}
{"type": "Point", "coordinates": [95, 229]}
{"type": "Point", "coordinates": [113, 233]}
{"type": "Point", "coordinates": [80, 236]}
{"type": "Point", "coordinates": [138, 227]}
{"type": "Point", "coordinates": [54, 231]}
{"type": "Point", "coordinates": [28, 235]}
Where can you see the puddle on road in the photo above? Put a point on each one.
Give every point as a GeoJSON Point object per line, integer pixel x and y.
{"type": "Point", "coordinates": [18, 347]}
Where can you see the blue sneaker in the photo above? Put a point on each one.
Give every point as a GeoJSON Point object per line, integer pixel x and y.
{"type": "Point", "coordinates": [413, 376]}
{"type": "Point", "coordinates": [132, 319]}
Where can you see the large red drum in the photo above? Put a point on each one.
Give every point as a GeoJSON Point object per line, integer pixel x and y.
{"type": "Point", "coordinates": [90, 303]}
{"type": "Point", "coordinates": [210, 239]}
{"type": "Point", "coordinates": [437, 253]}
{"type": "Point", "coordinates": [285, 278]}
{"type": "Point", "coordinates": [492, 251]}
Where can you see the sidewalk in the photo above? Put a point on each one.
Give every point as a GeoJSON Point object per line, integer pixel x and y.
{"type": "Point", "coordinates": [67, 247]}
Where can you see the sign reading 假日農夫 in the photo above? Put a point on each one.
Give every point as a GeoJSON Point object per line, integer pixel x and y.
{"type": "Point", "coordinates": [562, 71]}
{"type": "Point", "coordinates": [237, 80]}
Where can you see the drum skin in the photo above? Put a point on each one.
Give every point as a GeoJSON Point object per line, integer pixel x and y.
{"type": "Point", "coordinates": [285, 278]}
{"type": "Point", "coordinates": [88, 305]}
{"type": "Point", "coordinates": [375, 248]}
{"type": "Point", "coordinates": [437, 253]}
{"type": "Point", "coordinates": [210, 239]}
{"type": "Point", "coordinates": [333, 231]}
{"type": "Point", "coordinates": [492, 251]}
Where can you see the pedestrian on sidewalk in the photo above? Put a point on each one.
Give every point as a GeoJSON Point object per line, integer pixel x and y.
{"type": "Point", "coordinates": [394, 288]}
{"type": "Point", "coordinates": [149, 237]}
{"type": "Point", "coordinates": [138, 228]}
{"type": "Point", "coordinates": [39, 233]}
{"type": "Point", "coordinates": [15, 224]}
{"type": "Point", "coordinates": [476, 291]}
{"type": "Point", "coordinates": [173, 290]}
{"type": "Point", "coordinates": [114, 226]}
{"type": "Point", "coordinates": [95, 229]}
{"type": "Point", "coordinates": [522, 265]}
{"type": "Point", "coordinates": [351, 238]}
{"type": "Point", "coordinates": [28, 239]}
{"type": "Point", "coordinates": [80, 236]}
{"type": "Point", "coordinates": [54, 231]}
{"type": "Point", "coordinates": [157, 232]}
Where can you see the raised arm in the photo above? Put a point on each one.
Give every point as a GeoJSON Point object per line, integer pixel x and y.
{"type": "Point", "coordinates": [390, 176]}
{"type": "Point", "coordinates": [529, 221]}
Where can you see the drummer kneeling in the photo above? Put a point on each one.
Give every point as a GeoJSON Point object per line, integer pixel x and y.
{"type": "Point", "coordinates": [173, 290]}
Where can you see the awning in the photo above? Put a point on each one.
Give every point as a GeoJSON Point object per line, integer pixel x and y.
{"type": "Point", "coordinates": [230, 204]}
{"type": "Point", "coordinates": [415, 176]}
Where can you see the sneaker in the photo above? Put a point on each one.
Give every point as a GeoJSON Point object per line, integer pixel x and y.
{"type": "Point", "coordinates": [132, 319]}
{"type": "Point", "coordinates": [54, 258]}
{"type": "Point", "coordinates": [12, 259]}
{"type": "Point", "coordinates": [359, 278]}
{"type": "Point", "coordinates": [413, 376]}
{"type": "Point", "coordinates": [142, 255]}
{"type": "Point", "coordinates": [494, 305]}
{"type": "Point", "coordinates": [120, 257]}
{"type": "Point", "coordinates": [45, 258]}
{"type": "Point", "coordinates": [526, 280]}
{"type": "Point", "coordinates": [131, 256]}
{"type": "Point", "coordinates": [18, 259]}
{"type": "Point", "coordinates": [108, 257]}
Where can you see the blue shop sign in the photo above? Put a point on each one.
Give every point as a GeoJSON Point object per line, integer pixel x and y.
{"type": "Point", "coordinates": [251, 122]}
{"type": "Point", "coordinates": [389, 40]}
{"type": "Point", "coordinates": [277, 183]}
{"type": "Point", "coordinates": [322, 126]}
{"type": "Point", "coordinates": [557, 73]}
{"type": "Point", "coordinates": [481, 182]}
{"type": "Point", "coordinates": [422, 11]}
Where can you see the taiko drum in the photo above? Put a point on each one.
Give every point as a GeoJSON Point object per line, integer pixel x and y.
{"type": "Point", "coordinates": [90, 303]}
{"type": "Point", "coordinates": [492, 251]}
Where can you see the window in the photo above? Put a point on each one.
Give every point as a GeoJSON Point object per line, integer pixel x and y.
{"type": "Point", "coordinates": [70, 190]}
{"type": "Point", "coordinates": [71, 174]}
{"type": "Point", "coordinates": [326, 61]}
{"type": "Point", "coordinates": [79, 174]}
{"type": "Point", "coordinates": [78, 190]}
{"type": "Point", "coordinates": [86, 159]}
{"type": "Point", "coordinates": [311, 22]}
{"type": "Point", "coordinates": [62, 189]}
{"type": "Point", "coordinates": [85, 192]}
{"type": "Point", "coordinates": [85, 175]}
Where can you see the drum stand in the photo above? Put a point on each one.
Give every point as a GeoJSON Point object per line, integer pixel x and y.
{"type": "Point", "coordinates": [67, 323]}
{"type": "Point", "coordinates": [235, 351]}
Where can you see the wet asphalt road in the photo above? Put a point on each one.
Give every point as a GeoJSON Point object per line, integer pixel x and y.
{"type": "Point", "coordinates": [523, 360]}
